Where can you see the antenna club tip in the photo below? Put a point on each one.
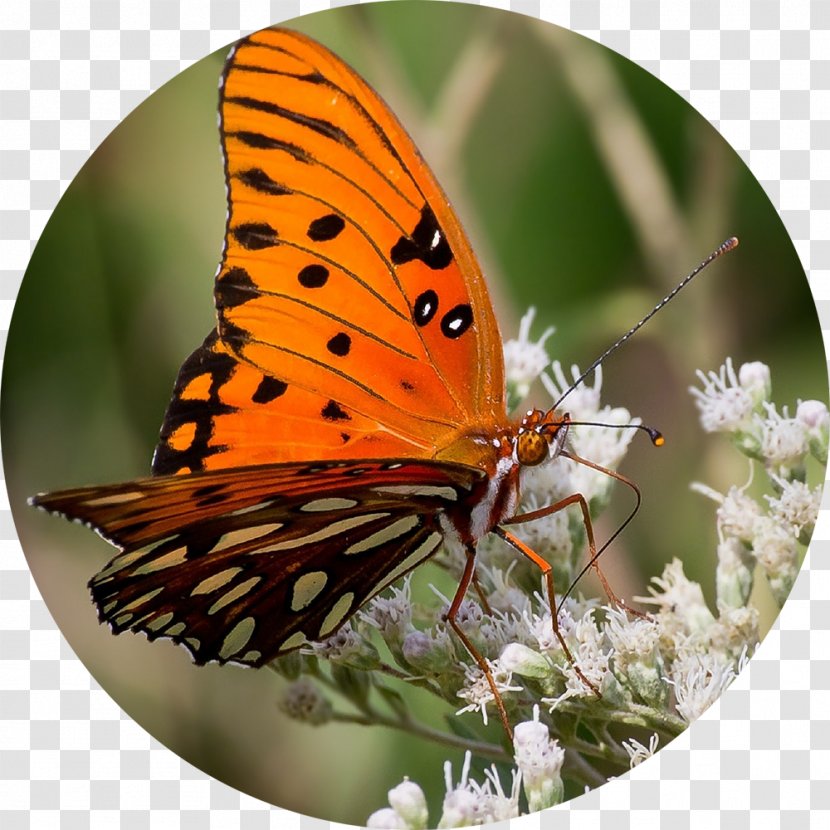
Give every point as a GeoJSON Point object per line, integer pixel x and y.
{"type": "Point", "coordinates": [730, 244]}
{"type": "Point", "coordinates": [656, 437]}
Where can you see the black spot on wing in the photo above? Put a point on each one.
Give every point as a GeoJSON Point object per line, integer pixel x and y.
{"type": "Point", "coordinates": [326, 228]}
{"type": "Point", "coordinates": [456, 321]}
{"type": "Point", "coordinates": [268, 390]}
{"type": "Point", "coordinates": [426, 243]}
{"type": "Point", "coordinates": [234, 287]}
{"type": "Point", "coordinates": [254, 236]}
{"type": "Point", "coordinates": [332, 411]}
{"type": "Point", "coordinates": [340, 344]}
{"type": "Point", "coordinates": [425, 307]}
{"type": "Point", "coordinates": [259, 180]}
{"type": "Point", "coordinates": [313, 276]}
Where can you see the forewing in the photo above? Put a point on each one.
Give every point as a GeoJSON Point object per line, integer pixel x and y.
{"type": "Point", "coordinates": [345, 268]}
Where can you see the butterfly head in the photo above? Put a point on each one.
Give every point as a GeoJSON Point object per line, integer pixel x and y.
{"type": "Point", "coordinates": [541, 435]}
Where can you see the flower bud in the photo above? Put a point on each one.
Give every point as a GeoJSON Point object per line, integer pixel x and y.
{"type": "Point", "coordinates": [409, 802]}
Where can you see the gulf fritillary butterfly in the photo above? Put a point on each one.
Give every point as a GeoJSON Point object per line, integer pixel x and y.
{"type": "Point", "coordinates": [347, 416]}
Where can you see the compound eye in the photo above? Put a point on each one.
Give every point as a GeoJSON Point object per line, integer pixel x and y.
{"type": "Point", "coordinates": [531, 449]}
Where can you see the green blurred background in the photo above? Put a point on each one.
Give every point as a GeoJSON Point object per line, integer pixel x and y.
{"type": "Point", "coordinates": [588, 188]}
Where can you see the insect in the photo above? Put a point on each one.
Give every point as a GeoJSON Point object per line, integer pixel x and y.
{"type": "Point", "coordinates": [346, 417]}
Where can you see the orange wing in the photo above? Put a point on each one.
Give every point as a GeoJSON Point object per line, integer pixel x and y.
{"type": "Point", "coordinates": [346, 277]}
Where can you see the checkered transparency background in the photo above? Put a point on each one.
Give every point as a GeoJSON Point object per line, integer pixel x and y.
{"type": "Point", "coordinates": [760, 72]}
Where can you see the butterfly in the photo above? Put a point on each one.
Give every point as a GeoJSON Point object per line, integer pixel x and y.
{"type": "Point", "coordinates": [346, 417]}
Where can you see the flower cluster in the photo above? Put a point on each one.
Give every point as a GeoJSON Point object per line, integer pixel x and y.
{"type": "Point", "coordinates": [606, 682]}
{"type": "Point", "coordinates": [750, 533]}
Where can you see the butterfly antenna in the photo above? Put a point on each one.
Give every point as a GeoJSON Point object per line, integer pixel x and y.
{"type": "Point", "coordinates": [727, 246]}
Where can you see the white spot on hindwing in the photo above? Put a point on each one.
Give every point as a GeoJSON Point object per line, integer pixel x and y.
{"type": "Point", "coordinates": [384, 535]}
{"type": "Point", "coordinates": [237, 638]}
{"type": "Point", "coordinates": [307, 588]}
{"type": "Point", "coordinates": [244, 534]}
{"type": "Point", "coordinates": [321, 505]}
{"type": "Point", "coordinates": [212, 583]}
{"type": "Point", "coordinates": [340, 610]}
{"type": "Point", "coordinates": [298, 638]}
{"type": "Point", "coordinates": [234, 594]}
{"type": "Point", "coordinates": [333, 529]}
{"type": "Point", "coordinates": [447, 493]}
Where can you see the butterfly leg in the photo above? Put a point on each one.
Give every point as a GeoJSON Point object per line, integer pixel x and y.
{"type": "Point", "coordinates": [467, 577]}
{"type": "Point", "coordinates": [547, 573]}
{"type": "Point", "coordinates": [593, 557]}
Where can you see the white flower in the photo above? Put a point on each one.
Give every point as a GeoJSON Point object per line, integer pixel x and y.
{"type": "Point", "coordinates": [603, 445]}
{"type": "Point", "coordinates": [736, 568]}
{"type": "Point", "coordinates": [755, 378]}
{"type": "Point", "coordinates": [813, 414]}
{"type": "Point", "coordinates": [524, 360]}
{"type": "Point", "coordinates": [724, 404]}
{"type": "Point", "coordinates": [346, 646]}
{"type": "Point", "coordinates": [409, 802]}
{"type": "Point", "coordinates": [699, 680]}
{"type": "Point", "coordinates": [635, 643]}
{"type": "Point", "coordinates": [738, 514]}
{"type": "Point", "coordinates": [469, 802]}
{"type": "Point", "coordinates": [797, 507]}
{"type": "Point", "coordinates": [776, 548]}
{"type": "Point", "coordinates": [816, 420]}
{"type": "Point", "coordinates": [637, 752]}
{"type": "Point", "coordinates": [477, 689]}
{"type": "Point", "coordinates": [385, 819]}
{"type": "Point", "coordinates": [591, 661]}
{"type": "Point", "coordinates": [391, 615]}
{"type": "Point", "coordinates": [539, 760]}
{"type": "Point", "coordinates": [784, 440]}
{"type": "Point", "coordinates": [583, 401]}
{"type": "Point", "coordinates": [429, 651]}
{"type": "Point", "coordinates": [680, 599]}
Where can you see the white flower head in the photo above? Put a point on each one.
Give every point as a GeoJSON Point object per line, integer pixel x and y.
{"type": "Point", "coordinates": [784, 440]}
{"type": "Point", "coordinates": [391, 615]}
{"type": "Point", "coordinates": [539, 760]}
{"type": "Point", "coordinates": [592, 659]}
{"type": "Point", "coordinates": [755, 378]}
{"type": "Point", "coordinates": [796, 507]}
{"type": "Point", "coordinates": [776, 548]}
{"type": "Point", "coordinates": [816, 420]}
{"type": "Point", "coordinates": [737, 515]}
{"type": "Point", "coordinates": [386, 819]}
{"type": "Point", "coordinates": [735, 572]}
{"type": "Point", "coordinates": [637, 752]}
{"type": "Point", "coordinates": [724, 404]}
{"type": "Point", "coordinates": [699, 680]}
{"type": "Point", "coordinates": [604, 445]}
{"type": "Point", "coordinates": [524, 360]}
{"type": "Point", "coordinates": [583, 400]}
{"type": "Point", "coordinates": [346, 646]}
{"type": "Point", "coordinates": [468, 802]}
{"type": "Point", "coordinates": [409, 802]}
{"type": "Point", "coordinates": [680, 601]}
{"type": "Point", "coordinates": [477, 690]}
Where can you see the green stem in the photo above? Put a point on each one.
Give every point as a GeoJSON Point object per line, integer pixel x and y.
{"type": "Point", "coordinates": [373, 718]}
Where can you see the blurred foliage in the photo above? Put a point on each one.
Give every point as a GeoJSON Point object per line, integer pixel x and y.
{"type": "Point", "coordinates": [118, 293]}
